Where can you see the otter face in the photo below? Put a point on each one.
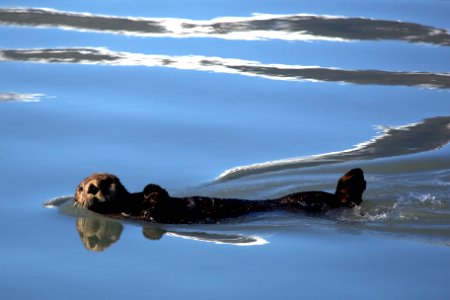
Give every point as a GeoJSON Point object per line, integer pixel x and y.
{"type": "Point", "coordinates": [100, 192]}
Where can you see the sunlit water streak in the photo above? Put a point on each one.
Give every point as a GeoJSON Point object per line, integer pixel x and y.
{"type": "Point", "coordinates": [430, 134]}
{"type": "Point", "coordinates": [20, 97]}
{"type": "Point", "coordinates": [304, 27]}
{"type": "Point", "coordinates": [103, 56]}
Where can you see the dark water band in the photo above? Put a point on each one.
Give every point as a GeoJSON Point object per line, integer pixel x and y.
{"type": "Point", "coordinates": [430, 134]}
{"type": "Point", "coordinates": [284, 27]}
{"type": "Point", "coordinates": [103, 56]}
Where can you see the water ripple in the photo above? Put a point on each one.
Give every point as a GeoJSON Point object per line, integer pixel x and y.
{"type": "Point", "coordinates": [430, 134]}
{"type": "Point", "coordinates": [103, 56]}
{"type": "Point", "coordinates": [304, 27]}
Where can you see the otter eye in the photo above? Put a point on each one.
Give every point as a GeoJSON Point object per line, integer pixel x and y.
{"type": "Point", "coordinates": [92, 189]}
{"type": "Point", "coordinates": [106, 184]}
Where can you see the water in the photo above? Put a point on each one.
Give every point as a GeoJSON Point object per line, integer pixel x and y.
{"type": "Point", "coordinates": [236, 99]}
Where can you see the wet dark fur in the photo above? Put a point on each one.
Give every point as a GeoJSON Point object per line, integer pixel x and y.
{"type": "Point", "coordinates": [103, 193]}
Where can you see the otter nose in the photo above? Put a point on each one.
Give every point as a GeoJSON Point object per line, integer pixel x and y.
{"type": "Point", "coordinates": [92, 189]}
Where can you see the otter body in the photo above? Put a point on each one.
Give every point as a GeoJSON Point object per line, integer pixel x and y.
{"type": "Point", "coordinates": [104, 193]}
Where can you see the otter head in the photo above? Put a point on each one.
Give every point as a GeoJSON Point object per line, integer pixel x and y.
{"type": "Point", "coordinates": [350, 188]}
{"type": "Point", "coordinates": [101, 193]}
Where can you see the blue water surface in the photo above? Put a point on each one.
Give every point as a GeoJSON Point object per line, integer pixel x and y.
{"type": "Point", "coordinates": [181, 125]}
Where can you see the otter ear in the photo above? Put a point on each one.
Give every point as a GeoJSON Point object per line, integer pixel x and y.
{"type": "Point", "coordinates": [351, 187]}
{"type": "Point", "coordinates": [78, 191]}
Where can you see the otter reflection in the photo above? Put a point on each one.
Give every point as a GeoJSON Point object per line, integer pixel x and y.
{"type": "Point", "coordinates": [99, 233]}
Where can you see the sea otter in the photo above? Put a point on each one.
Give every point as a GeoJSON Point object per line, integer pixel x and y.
{"type": "Point", "coordinates": [105, 194]}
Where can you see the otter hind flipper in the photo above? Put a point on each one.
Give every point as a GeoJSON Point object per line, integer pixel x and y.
{"type": "Point", "coordinates": [351, 187]}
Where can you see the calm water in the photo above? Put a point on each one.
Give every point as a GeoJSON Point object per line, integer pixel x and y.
{"type": "Point", "coordinates": [234, 99]}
